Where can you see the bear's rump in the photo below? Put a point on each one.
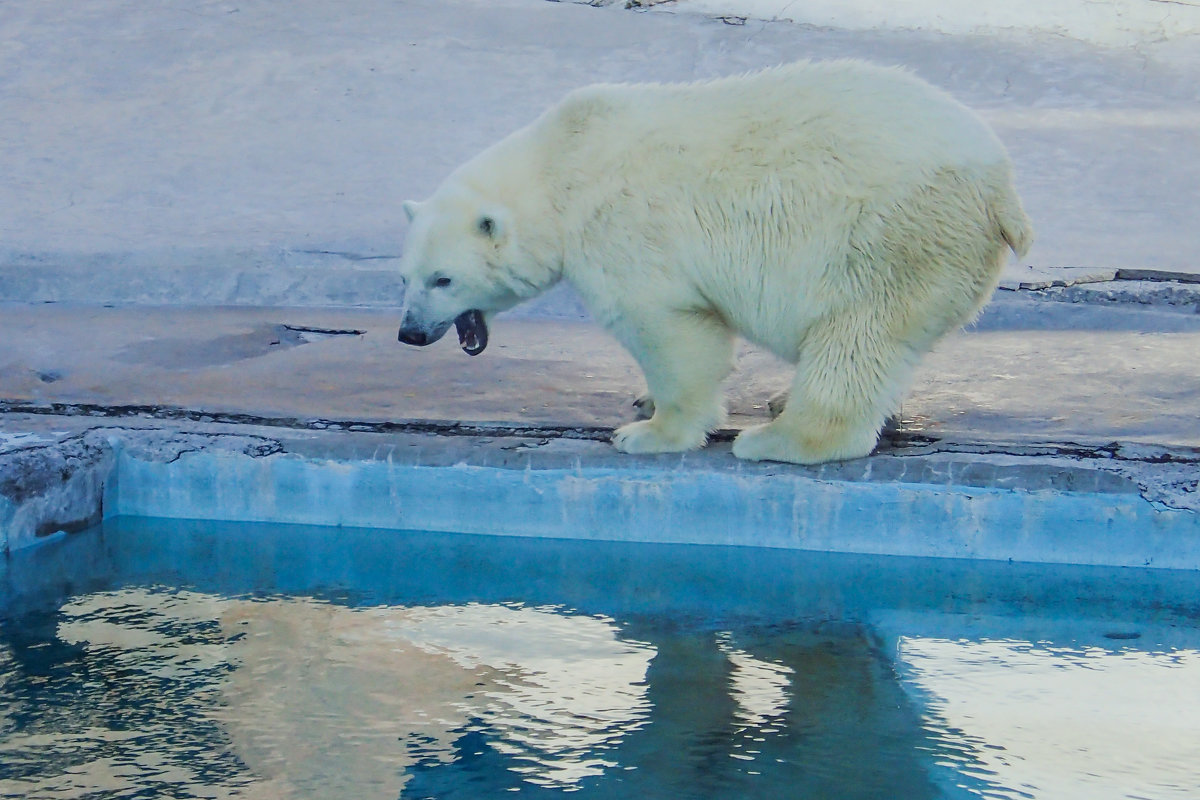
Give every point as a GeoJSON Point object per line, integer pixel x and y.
{"type": "Point", "coordinates": [932, 251]}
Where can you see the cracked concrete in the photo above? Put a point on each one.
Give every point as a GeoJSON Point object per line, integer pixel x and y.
{"type": "Point", "coordinates": [1063, 504]}
{"type": "Point", "coordinates": [168, 174]}
{"type": "Point", "coordinates": [1028, 370]}
{"type": "Point", "coordinates": [1182, 295]}
{"type": "Point", "coordinates": [45, 489]}
{"type": "Point", "coordinates": [1039, 400]}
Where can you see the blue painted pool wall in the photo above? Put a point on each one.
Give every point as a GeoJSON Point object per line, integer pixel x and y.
{"type": "Point", "coordinates": [655, 505]}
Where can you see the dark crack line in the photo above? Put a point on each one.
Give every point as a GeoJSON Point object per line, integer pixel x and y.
{"type": "Point", "coordinates": [348, 255]}
{"type": "Point", "coordinates": [1156, 275]}
{"type": "Point", "coordinates": [444, 428]}
{"type": "Point", "coordinates": [417, 426]}
{"type": "Point", "coordinates": [1106, 452]}
{"type": "Point", "coordinates": [260, 446]}
{"type": "Point", "coordinates": [325, 331]}
{"type": "Point", "coordinates": [1177, 3]}
{"type": "Point", "coordinates": [898, 443]}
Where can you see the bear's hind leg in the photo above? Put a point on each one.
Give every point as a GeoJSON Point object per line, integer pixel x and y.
{"type": "Point", "coordinates": [775, 405]}
{"type": "Point", "coordinates": [849, 380]}
{"type": "Point", "coordinates": [684, 358]}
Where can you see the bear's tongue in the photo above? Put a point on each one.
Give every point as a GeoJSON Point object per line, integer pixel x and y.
{"type": "Point", "coordinates": [472, 332]}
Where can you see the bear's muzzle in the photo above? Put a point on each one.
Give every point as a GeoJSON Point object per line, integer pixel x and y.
{"type": "Point", "coordinates": [421, 336]}
{"type": "Point", "coordinates": [470, 325]}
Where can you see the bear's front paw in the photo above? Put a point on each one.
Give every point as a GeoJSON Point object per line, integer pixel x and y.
{"type": "Point", "coordinates": [649, 437]}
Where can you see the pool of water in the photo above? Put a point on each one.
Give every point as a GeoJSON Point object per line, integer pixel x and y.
{"type": "Point", "coordinates": [154, 658]}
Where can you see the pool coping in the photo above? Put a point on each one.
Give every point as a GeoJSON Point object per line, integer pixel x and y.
{"type": "Point", "coordinates": [1097, 503]}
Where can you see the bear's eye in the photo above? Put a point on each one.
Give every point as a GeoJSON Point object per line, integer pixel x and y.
{"type": "Point", "coordinates": [441, 282]}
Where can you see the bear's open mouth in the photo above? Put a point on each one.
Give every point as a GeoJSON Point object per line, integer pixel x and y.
{"type": "Point", "coordinates": [472, 331]}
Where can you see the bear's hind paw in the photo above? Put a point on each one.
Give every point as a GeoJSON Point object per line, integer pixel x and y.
{"type": "Point", "coordinates": [774, 442]}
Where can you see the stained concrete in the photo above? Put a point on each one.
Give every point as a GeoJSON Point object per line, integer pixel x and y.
{"type": "Point", "coordinates": [258, 153]}
{"type": "Point", "coordinates": [1041, 406]}
{"type": "Point", "coordinates": [1029, 370]}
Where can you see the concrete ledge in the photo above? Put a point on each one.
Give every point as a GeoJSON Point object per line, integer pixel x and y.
{"type": "Point", "coordinates": [1031, 503]}
{"type": "Point", "coordinates": [677, 506]}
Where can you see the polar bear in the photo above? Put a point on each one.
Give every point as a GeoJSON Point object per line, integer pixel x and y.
{"type": "Point", "coordinates": [842, 215]}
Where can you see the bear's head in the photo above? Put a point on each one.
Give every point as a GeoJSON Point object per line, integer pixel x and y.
{"type": "Point", "coordinates": [460, 266]}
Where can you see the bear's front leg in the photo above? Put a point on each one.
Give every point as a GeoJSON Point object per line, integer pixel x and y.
{"type": "Point", "coordinates": [684, 357]}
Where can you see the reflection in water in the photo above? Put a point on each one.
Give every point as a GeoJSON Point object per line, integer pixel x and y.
{"type": "Point", "coordinates": [106, 699]}
{"type": "Point", "coordinates": [327, 699]}
{"type": "Point", "coordinates": [322, 701]}
{"type": "Point", "coordinates": [1030, 720]}
{"type": "Point", "coordinates": [154, 693]}
{"type": "Point", "coordinates": [629, 671]}
{"type": "Point", "coordinates": [760, 688]}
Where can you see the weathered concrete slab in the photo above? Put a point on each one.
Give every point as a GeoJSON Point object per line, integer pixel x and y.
{"type": "Point", "coordinates": [1028, 371]}
{"type": "Point", "coordinates": [1044, 503]}
{"type": "Point", "coordinates": [1053, 419]}
{"type": "Point", "coordinates": [259, 154]}
{"type": "Point", "coordinates": [1024, 276]}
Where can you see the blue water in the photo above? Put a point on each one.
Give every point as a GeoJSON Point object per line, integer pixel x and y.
{"type": "Point", "coordinates": [152, 658]}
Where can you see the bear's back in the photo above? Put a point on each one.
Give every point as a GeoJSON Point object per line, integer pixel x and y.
{"type": "Point", "coordinates": [860, 120]}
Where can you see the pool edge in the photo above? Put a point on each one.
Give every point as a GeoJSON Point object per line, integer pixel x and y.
{"type": "Point", "coordinates": [1020, 503]}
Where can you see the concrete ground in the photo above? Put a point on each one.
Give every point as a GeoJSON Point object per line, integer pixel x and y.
{"type": "Point", "coordinates": [1060, 428]}
{"type": "Point", "coordinates": [258, 154]}
{"type": "Point", "coordinates": [1031, 369]}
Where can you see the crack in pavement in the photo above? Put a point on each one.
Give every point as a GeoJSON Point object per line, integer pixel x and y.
{"type": "Point", "coordinates": [898, 443]}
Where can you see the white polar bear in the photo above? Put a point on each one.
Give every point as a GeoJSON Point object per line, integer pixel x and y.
{"type": "Point", "coordinates": [842, 215]}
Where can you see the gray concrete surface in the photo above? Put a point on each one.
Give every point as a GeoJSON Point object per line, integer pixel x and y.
{"type": "Point", "coordinates": [1050, 394]}
{"type": "Point", "coordinates": [1030, 369]}
{"type": "Point", "coordinates": [258, 154]}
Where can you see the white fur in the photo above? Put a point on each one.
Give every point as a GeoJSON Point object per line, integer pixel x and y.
{"type": "Point", "coordinates": [842, 215]}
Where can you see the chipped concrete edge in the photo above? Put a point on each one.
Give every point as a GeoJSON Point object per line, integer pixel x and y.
{"type": "Point", "coordinates": [1065, 497]}
{"type": "Point", "coordinates": [1041, 278]}
{"type": "Point", "coordinates": [63, 486]}
{"type": "Point", "coordinates": [49, 489]}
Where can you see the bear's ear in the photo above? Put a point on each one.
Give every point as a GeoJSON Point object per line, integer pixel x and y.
{"type": "Point", "coordinates": [411, 207]}
{"type": "Point", "coordinates": [494, 224]}
{"type": "Point", "coordinates": [487, 226]}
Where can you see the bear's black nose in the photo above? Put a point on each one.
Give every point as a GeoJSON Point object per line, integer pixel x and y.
{"type": "Point", "coordinates": [415, 337]}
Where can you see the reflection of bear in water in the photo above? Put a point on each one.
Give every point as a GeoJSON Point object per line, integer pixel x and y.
{"type": "Point", "coordinates": [841, 215]}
